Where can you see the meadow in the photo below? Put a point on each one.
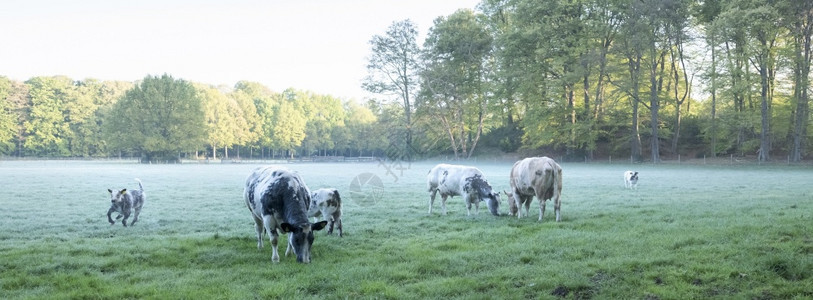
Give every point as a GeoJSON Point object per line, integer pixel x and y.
{"type": "Point", "coordinates": [687, 232]}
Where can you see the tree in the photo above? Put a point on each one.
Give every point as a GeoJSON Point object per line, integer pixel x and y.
{"type": "Point", "coordinates": [159, 117]}
{"type": "Point", "coordinates": [261, 121]}
{"type": "Point", "coordinates": [47, 131]}
{"type": "Point", "coordinates": [8, 125]}
{"type": "Point", "coordinates": [225, 122]}
{"type": "Point", "coordinates": [393, 68]}
{"type": "Point", "coordinates": [289, 123]}
{"type": "Point", "coordinates": [800, 26]}
{"type": "Point", "coordinates": [452, 85]}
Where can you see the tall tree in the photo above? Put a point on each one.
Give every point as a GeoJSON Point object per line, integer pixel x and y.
{"type": "Point", "coordinates": [47, 132]}
{"type": "Point", "coordinates": [393, 70]}
{"type": "Point", "coordinates": [453, 82]}
{"type": "Point", "coordinates": [8, 125]}
{"type": "Point", "coordinates": [159, 117]}
{"type": "Point", "coordinates": [264, 101]}
{"type": "Point", "coordinates": [800, 25]}
{"type": "Point", "coordinates": [225, 122]}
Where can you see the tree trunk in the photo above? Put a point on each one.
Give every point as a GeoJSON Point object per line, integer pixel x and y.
{"type": "Point", "coordinates": [713, 97]}
{"type": "Point", "coordinates": [635, 138]}
{"type": "Point", "coordinates": [765, 133]}
{"type": "Point", "coordinates": [654, 106]}
{"type": "Point", "coordinates": [803, 61]}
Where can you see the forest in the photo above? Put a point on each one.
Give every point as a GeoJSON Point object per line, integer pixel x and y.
{"type": "Point", "coordinates": [645, 80]}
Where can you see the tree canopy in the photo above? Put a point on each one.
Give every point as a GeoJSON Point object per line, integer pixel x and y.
{"type": "Point", "coordinates": [645, 80]}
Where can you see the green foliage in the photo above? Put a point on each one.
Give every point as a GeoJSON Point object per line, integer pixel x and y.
{"type": "Point", "coordinates": [48, 128]}
{"type": "Point", "coordinates": [160, 117]}
{"type": "Point", "coordinates": [452, 85]}
{"type": "Point", "coordinates": [7, 117]}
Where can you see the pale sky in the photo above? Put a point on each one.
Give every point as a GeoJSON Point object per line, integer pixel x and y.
{"type": "Point", "coordinates": [316, 45]}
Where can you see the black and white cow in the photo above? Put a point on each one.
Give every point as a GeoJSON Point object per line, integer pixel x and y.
{"type": "Point", "coordinates": [328, 204]}
{"type": "Point", "coordinates": [278, 199]}
{"type": "Point", "coordinates": [469, 182]}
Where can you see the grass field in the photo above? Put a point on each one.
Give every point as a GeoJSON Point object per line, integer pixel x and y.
{"type": "Point", "coordinates": [687, 232]}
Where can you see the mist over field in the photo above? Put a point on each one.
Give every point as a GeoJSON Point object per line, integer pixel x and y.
{"type": "Point", "coordinates": [687, 232]}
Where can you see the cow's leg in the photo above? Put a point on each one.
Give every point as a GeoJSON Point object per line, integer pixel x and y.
{"type": "Point", "coordinates": [273, 235]}
{"type": "Point", "coordinates": [135, 215]}
{"type": "Point", "coordinates": [527, 201]}
{"type": "Point", "coordinates": [432, 194]}
{"type": "Point", "coordinates": [340, 226]}
{"type": "Point", "coordinates": [541, 208]}
{"type": "Point", "coordinates": [332, 221]}
{"type": "Point", "coordinates": [468, 201]}
{"type": "Point", "coordinates": [258, 227]}
{"type": "Point", "coordinates": [124, 220]}
{"type": "Point", "coordinates": [443, 202]}
{"type": "Point", "coordinates": [516, 199]}
{"type": "Point", "coordinates": [557, 192]}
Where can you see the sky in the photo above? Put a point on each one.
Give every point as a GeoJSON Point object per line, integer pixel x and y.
{"type": "Point", "coordinates": [316, 45]}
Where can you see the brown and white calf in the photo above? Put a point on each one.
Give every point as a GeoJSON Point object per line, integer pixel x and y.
{"type": "Point", "coordinates": [540, 177]}
{"type": "Point", "coordinates": [328, 204]}
{"type": "Point", "coordinates": [465, 181]}
{"type": "Point", "coordinates": [278, 200]}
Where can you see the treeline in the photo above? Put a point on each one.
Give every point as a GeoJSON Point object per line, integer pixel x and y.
{"type": "Point", "coordinates": [161, 118]}
{"type": "Point", "coordinates": [606, 77]}
{"type": "Point", "coordinates": [582, 79]}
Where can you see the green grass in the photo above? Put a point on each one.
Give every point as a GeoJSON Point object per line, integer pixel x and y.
{"type": "Point", "coordinates": [687, 232]}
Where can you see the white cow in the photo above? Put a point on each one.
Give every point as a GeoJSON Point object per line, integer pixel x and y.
{"type": "Point", "coordinates": [468, 182]}
{"type": "Point", "coordinates": [631, 179]}
{"type": "Point", "coordinates": [536, 176]}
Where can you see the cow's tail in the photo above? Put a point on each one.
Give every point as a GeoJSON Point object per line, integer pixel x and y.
{"type": "Point", "coordinates": [140, 186]}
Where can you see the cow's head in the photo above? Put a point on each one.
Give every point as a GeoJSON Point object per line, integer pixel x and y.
{"type": "Point", "coordinates": [493, 203]}
{"type": "Point", "coordinates": [117, 196]}
{"type": "Point", "coordinates": [300, 238]}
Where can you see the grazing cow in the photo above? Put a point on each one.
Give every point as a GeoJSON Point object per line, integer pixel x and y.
{"type": "Point", "coordinates": [279, 199]}
{"type": "Point", "coordinates": [469, 182]}
{"type": "Point", "coordinates": [512, 206]}
{"type": "Point", "coordinates": [631, 179]}
{"type": "Point", "coordinates": [536, 176]}
{"type": "Point", "coordinates": [328, 204]}
{"type": "Point", "coordinates": [124, 202]}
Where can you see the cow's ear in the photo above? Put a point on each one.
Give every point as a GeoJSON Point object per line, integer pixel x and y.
{"type": "Point", "coordinates": [336, 192]}
{"type": "Point", "coordinates": [110, 191]}
{"type": "Point", "coordinates": [318, 225]}
{"type": "Point", "coordinates": [286, 227]}
{"type": "Point", "coordinates": [123, 191]}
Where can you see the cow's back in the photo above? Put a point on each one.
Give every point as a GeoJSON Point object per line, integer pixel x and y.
{"type": "Point", "coordinates": [536, 174]}
{"type": "Point", "coordinates": [266, 188]}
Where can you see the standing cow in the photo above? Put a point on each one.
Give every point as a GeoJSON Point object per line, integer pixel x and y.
{"type": "Point", "coordinates": [469, 182]}
{"type": "Point", "coordinates": [328, 204]}
{"type": "Point", "coordinates": [536, 176]}
{"type": "Point", "coordinates": [279, 199]}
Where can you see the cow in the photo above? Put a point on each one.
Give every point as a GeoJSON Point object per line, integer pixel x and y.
{"type": "Point", "coordinates": [512, 206]}
{"type": "Point", "coordinates": [631, 180]}
{"type": "Point", "coordinates": [536, 176]}
{"type": "Point", "coordinates": [328, 204]}
{"type": "Point", "coordinates": [469, 182]}
{"type": "Point", "coordinates": [278, 200]}
{"type": "Point", "coordinates": [125, 202]}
